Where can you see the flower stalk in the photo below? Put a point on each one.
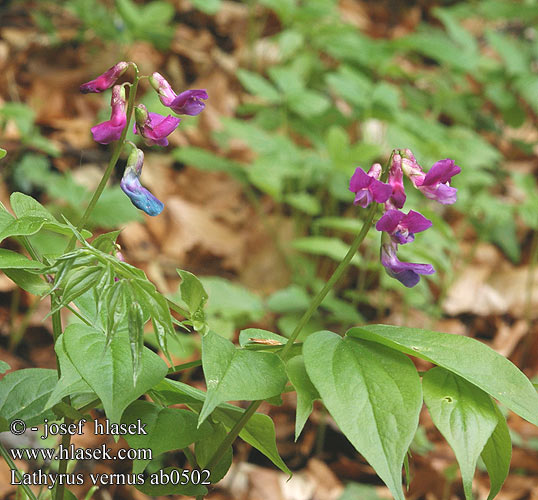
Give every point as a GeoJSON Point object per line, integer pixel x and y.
{"type": "Point", "coordinates": [113, 160]}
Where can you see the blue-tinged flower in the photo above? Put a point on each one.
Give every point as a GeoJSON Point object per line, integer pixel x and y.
{"type": "Point", "coordinates": [130, 184]}
{"type": "Point", "coordinates": [367, 186]}
{"type": "Point", "coordinates": [106, 80]}
{"type": "Point", "coordinates": [111, 130]}
{"type": "Point", "coordinates": [407, 273]}
{"type": "Point", "coordinates": [402, 227]}
{"type": "Point", "coordinates": [187, 103]}
{"type": "Point", "coordinates": [153, 127]}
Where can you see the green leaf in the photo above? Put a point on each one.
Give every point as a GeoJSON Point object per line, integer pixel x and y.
{"type": "Point", "coordinates": [206, 160]}
{"type": "Point", "coordinates": [466, 357]}
{"type": "Point", "coordinates": [333, 248]}
{"type": "Point", "coordinates": [497, 454]}
{"type": "Point", "coordinates": [304, 202]}
{"type": "Point", "coordinates": [28, 281]}
{"type": "Point", "coordinates": [207, 446]}
{"type": "Point", "coordinates": [258, 85]}
{"type": "Point", "coordinates": [24, 226]}
{"type": "Point", "coordinates": [236, 374]}
{"type": "Point", "coordinates": [71, 382]}
{"type": "Point", "coordinates": [464, 414]}
{"type": "Point", "coordinates": [511, 51]}
{"type": "Point", "coordinates": [3, 153]}
{"type": "Point", "coordinates": [231, 300]}
{"type": "Point", "coordinates": [26, 206]}
{"type": "Point", "coordinates": [207, 6]}
{"type": "Point", "coordinates": [355, 491]}
{"type": "Point", "coordinates": [291, 299]}
{"type": "Point", "coordinates": [155, 486]}
{"type": "Point", "coordinates": [109, 372]}
{"type": "Point", "coordinates": [257, 333]}
{"type": "Point", "coordinates": [136, 337]}
{"type": "Point", "coordinates": [14, 260]}
{"type": "Point", "coordinates": [106, 242]}
{"type": "Point", "coordinates": [158, 423]}
{"type": "Point", "coordinates": [77, 282]}
{"type": "Point", "coordinates": [114, 308]}
{"type": "Point", "coordinates": [193, 294]}
{"type": "Point", "coordinates": [306, 392]}
{"type": "Point", "coordinates": [23, 394]}
{"type": "Point", "coordinates": [308, 103]}
{"type": "Point", "coordinates": [151, 300]}
{"type": "Point", "coordinates": [259, 431]}
{"type": "Point", "coordinates": [374, 395]}
{"type": "Point", "coordinates": [4, 367]}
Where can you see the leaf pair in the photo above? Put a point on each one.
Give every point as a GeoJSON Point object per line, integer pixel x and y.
{"type": "Point", "coordinates": [374, 394]}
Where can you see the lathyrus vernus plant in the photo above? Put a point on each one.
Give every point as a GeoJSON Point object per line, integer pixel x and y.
{"type": "Point", "coordinates": [364, 377]}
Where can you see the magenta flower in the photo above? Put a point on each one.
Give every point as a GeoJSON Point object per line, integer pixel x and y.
{"type": "Point", "coordinates": [435, 185]}
{"type": "Point", "coordinates": [187, 103]}
{"type": "Point", "coordinates": [398, 196]}
{"type": "Point", "coordinates": [106, 80]}
{"type": "Point", "coordinates": [153, 127]}
{"type": "Point", "coordinates": [406, 273]}
{"type": "Point", "coordinates": [111, 130]}
{"type": "Point", "coordinates": [130, 184]}
{"type": "Point", "coordinates": [402, 227]}
{"type": "Point", "coordinates": [368, 187]}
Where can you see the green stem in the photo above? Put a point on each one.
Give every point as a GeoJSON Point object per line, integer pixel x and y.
{"type": "Point", "coordinates": [316, 301]}
{"type": "Point", "coordinates": [13, 467]}
{"type": "Point", "coordinates": [190, 457]}
{"type": "Point", "coordinates": [184, 366]}
{"type": "Point", "coordinates": [178, 309]}
{"type": "Point", "coordinates": [56, 318]}
{"type": "Point", "coordinates": [234, 432]}
{"type": "Point", "coordinates": [111, 164]}
{"type": "Point", "coordinates": [337, 274]}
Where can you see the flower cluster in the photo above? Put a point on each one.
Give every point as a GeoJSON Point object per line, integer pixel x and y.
{"type": "Point", "coordinates": [152, 127]}
{"type": "Point", "coordinates": [397, 227]}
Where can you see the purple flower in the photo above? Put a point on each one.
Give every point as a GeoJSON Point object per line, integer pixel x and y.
{"type": "Point", "coordinates": [406, 273]}
{"type": "Point", "coordinates": [130, 184]}
{"type": "Point", "coordinates": [402, 227]}
{"type": "Point", "coordinates": [398, 197]}
{"type": "Point", "coordinates": [435, 185]}
{"type": "Point", "coordinates": [368, 187]}
{"type": "Point", "coordinates": [111, 130]}
{"type": "Point", "coordinates": [187, 103]}
{"type": "Point", "coordinates": [153, 127]}
{"type": "Point", "coordinates": [106, 80]}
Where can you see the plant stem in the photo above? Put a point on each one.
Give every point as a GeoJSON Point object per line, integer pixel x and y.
{"type": "Point", "coordinates": [111, 164]}
{"type": "Point", "coordinates": [13, 467]}
{"type": "Point", "coordinates": [56, 318]}
{"type": "Point", "coordinates": [316, 301]}
{"type": "Point", "coordinates": [337, 274]}
{"type": "Point", "coordinates": [234, 432]}
{"type": "Point", "coordinates": [184, 366]}
{"type": "Point", "coordinates": [190, 457]}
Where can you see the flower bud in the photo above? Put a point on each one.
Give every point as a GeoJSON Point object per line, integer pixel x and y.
{"type": "Point", "coordinates": [163, 88]}
{"type": "Point", "coordinates": [106, 80]}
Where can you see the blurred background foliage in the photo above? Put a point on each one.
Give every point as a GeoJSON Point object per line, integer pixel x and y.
{"type": "Point", "coordinates": [325, 97]}
{"type": "Point", "coordinates": [325, 94]}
